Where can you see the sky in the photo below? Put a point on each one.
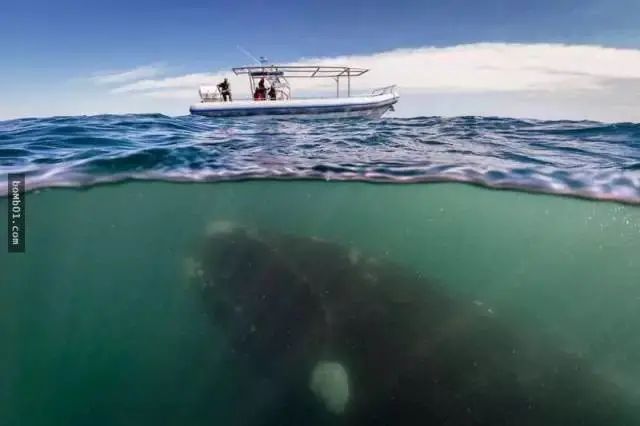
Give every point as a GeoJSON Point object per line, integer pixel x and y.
{"type": "Point", "coordinates": [549, 59]}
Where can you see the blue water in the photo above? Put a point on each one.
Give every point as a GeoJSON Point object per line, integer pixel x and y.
{"type": "Point", "coordinates": [578, 158]}
{"type": "Point", "coordinates": [104, 319]}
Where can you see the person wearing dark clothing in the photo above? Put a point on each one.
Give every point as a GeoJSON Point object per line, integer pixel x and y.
{"type": "Point", "coordinates": [225, 90]}
{"type": "Point", "coordinates": [272, 93]}
{"type": "Point", "coordinates": [261, 91]}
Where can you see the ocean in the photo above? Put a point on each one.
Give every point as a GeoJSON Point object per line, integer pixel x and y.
{"type": "Point", "coordinates": [533, 224]}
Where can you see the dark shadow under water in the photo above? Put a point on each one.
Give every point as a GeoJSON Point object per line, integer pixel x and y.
{"type": "Point", "coordinates": [392, 347]}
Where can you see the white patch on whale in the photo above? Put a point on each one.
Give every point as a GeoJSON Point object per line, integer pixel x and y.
{"type": "Point", "coordinates": [480, 304]}
{"type": "Point", "coordinates": [354, 256]}
{"type": "Point", "coordinates": [330, 383]}
{"type": "Point", "coordinates": [192, 268]}
{"type": "Point", "coordinates": [219, 227]}
{"type": "Point", "coordinates": [194, 272]}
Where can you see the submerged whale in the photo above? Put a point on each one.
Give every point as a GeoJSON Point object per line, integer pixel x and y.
{"type": "Point", "coordinates": [321, 334]}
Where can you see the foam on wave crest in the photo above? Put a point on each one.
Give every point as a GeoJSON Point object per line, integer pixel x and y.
{"type": "Point", "coordinates": [586, 159]}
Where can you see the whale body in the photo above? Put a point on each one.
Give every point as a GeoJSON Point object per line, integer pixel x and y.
{"type": "Point", "coordinates": [323, 334]}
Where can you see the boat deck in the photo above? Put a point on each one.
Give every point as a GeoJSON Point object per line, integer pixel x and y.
{"type": "Point", "coordinates": [358, 105]}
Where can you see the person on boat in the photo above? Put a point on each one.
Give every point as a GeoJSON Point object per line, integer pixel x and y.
{"type": "Point", "coordinates": [261, 91]}
{"type": "Point", "coordinates": [272, 93]}
{"type": "Point", "coordinates": [258, 95]}
{"type": "Point", "coordinates": [225, 90]}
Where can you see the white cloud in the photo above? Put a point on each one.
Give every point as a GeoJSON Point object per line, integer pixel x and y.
{"type": "Point", "coordinates": [120, 77]}
{"type": "Point", "coordinates": [472, 68]}
{"type": "Point", "coordinates": [554, 81]}
{"type": "Point", "coordinates": [488, 67]}
{"type": "Point", "coordinates": [171, 94]}
{"type": "Point", "coordinates": [183, 81]}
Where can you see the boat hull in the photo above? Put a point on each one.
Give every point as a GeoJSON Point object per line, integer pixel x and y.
{"type": "Point", "coordinates": [366, 106]}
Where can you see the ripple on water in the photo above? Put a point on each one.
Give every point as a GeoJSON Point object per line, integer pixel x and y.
{"type": "Point", "coordinates": [580, 158]}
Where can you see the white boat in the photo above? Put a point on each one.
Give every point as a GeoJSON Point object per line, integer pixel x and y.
{"type": "Point", "coordinates": [371, 105]}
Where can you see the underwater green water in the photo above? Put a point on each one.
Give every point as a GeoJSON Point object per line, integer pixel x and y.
{"type": "Point", "coordinates": [98, 326]}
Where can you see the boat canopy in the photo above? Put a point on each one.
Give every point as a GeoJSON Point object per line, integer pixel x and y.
{"type": "Point", "coordinates": [280, 73]}
{"type": "Point", "coordinates": [300, 71]}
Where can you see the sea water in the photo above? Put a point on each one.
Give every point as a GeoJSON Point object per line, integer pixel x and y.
{"type": "Point", "coordinates": [97, 323]}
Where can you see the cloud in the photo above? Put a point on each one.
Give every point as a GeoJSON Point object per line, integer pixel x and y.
{"type": "Point", "coordinates": [548, 81]}
{"type": "Point", "coordinates": [497, 67]}
{"type": "Point", "coordinates": [171, 94]}
{"type": "Point", "coordinates": [184, 81]}
{"type": "Point", "coordinates": [482, 67]}
{"type": "Point", "coordinates": [146, 71]}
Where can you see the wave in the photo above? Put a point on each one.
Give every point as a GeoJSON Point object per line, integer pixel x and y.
{"type": "Point", "coordinates": [579, 158]}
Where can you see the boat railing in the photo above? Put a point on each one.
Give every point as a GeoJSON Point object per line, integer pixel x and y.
{"type": "Point", "coordinates": [210, 94]}
{"type": "Point", "coordinates": [382, 90]}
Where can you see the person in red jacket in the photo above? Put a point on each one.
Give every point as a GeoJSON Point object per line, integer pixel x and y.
{"type": "Point", "coordinates": [261, 91]}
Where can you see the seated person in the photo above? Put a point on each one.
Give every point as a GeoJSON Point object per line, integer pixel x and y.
{"type": "Point", "coordinates": [272, 93]}
{"type": "Point", "coordinates": [225, 90]}
{"type": "Point", "coordinates": [261, 91]}
{"type": "Point", "coordinates": [259, 94]}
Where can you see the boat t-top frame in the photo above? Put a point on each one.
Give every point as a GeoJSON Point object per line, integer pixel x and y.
{"type": "Point", "coordinates": [277, 75]}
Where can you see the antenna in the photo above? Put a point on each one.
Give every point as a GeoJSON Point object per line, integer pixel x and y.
{"type": "Point", "coordinates": [253, 58]}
